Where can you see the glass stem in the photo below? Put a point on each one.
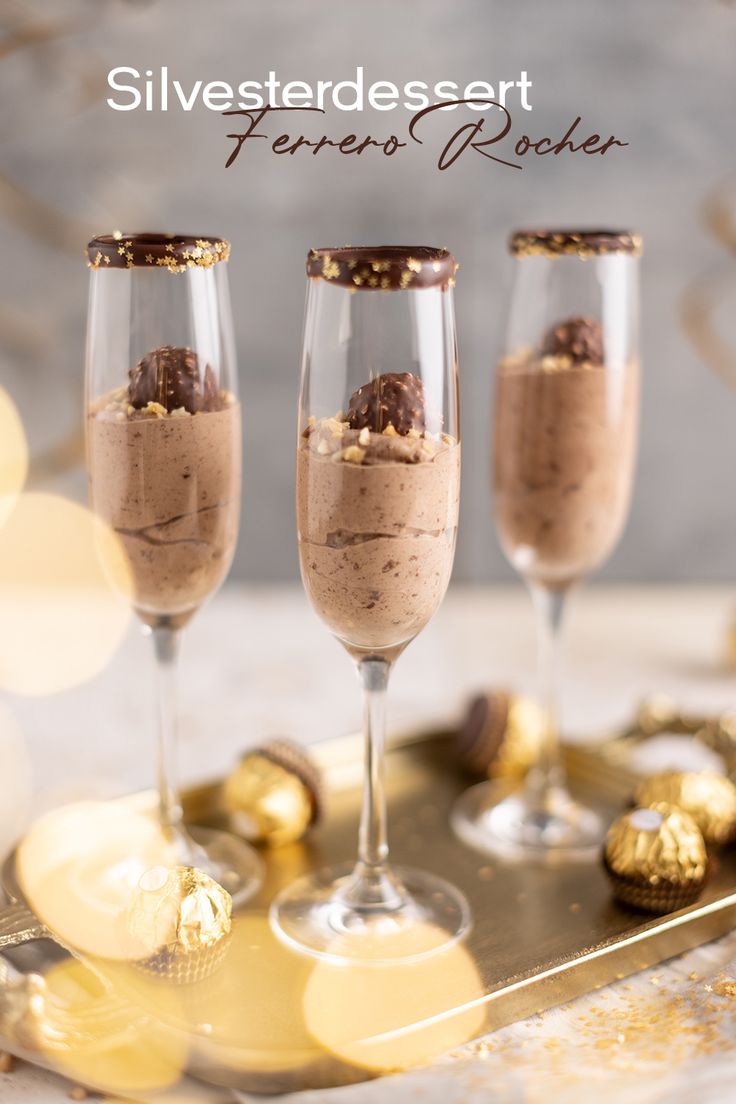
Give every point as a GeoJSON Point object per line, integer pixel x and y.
{"type": "Point", "coordinates": [166, 647]}
{"type": "Point", "coordinates": [548, 773]}
{"type": "Point", "coordinates": [372, 886]}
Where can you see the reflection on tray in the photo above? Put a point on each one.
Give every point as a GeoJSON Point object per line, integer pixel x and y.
{"type": "Point", "coordinates": [268, 1019]}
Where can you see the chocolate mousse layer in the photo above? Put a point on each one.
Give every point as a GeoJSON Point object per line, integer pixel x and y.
{"type": "Point", "coordinates": [565, 445]}
{"type": "Point", "coordinates": [377, 517]}
{"type": "Point", "coordinates": [168, 482]}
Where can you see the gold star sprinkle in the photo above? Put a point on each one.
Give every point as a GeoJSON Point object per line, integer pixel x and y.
{"type": "Point", "coordinates": [149, 258]}
{"type": "Point", "coordinates": [169, 248]}
{"type": "Point", "coordinates": [121, 250]}
{"type": "Point", "coordinates": [330, 268]}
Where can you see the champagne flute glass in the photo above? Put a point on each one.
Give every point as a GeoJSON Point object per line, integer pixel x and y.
{"type": "Point", "coordinates": [566, 415]}
{"type": "Point", "coordinates": [164, 464]}
{"type": "Point", "coordinates": [378, 482]}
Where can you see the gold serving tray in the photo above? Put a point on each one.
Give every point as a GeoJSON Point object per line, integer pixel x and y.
{"type": "Point", "coordinates": [542, 934]}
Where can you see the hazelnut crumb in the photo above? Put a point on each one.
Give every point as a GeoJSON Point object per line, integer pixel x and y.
{"type": "Point", "coordinates": [353, 455]}
{"type": "Point", "coordinates": [78, 1093]}
{"type": "Point", "coordinates": [389, 431]}
{"type": "Point", "coordinates": [323, 448]}
{"type": "Point", "coordinates": [7, 1062]}
{"type": "Point", "coordinates": [336, 428]}
{"type": "Point", "coordinates": [364, 437]}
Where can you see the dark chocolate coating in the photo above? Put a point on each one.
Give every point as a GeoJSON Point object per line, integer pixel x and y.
{"type": "Point", "coordinates": [383, 267]}
{"type": "Point", "coordinates": [174, 252]}
{"type": "Point", "coordinates": [580, 339]}
{"type": "Point", "coordinates": [171, 376]}
{"type": "Point", "coordinates": [395, 398]}
{"type": "Point", "coordinates": [582, 243]}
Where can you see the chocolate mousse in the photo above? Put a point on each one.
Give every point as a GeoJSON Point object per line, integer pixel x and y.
{"type": "Point", "coordinates": [377, 505]}
{"type": "Point", "coordinates": [164, 464]}
{"type": "Point", "coordinates": [565, 443]}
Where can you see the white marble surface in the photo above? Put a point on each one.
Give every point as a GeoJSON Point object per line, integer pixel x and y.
{"type": "Point", "coordinates": [257, 663]}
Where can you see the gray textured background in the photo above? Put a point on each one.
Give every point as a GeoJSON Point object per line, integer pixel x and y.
{"type": "Point", "coordinates": [660, 74]}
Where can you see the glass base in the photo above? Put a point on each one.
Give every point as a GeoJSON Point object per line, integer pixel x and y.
{"type": "Point", "coordinates": [513, 826]}
{"type": "Point", "coordinates": [330, 914]}
{"type": "Point", "coordinates": [226, 858]}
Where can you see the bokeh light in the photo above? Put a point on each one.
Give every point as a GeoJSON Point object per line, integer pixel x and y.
{"type": "Point", "coordinates": [390, 1018]}
{"type": "Point", "coordinates": [93, 1037]}
{"type": "Point", "coordinates": [65, 589]}
{"type": "Point", "coordinates": [79, 866]}
{"type": "Point", "coordinates": [252, 1006]}
{"type": "Point", "coordinates": [16, 781]}
{"type": "Point", "coordinates": [13, 455]}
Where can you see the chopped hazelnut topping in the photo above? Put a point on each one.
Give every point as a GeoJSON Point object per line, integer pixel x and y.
{"type": "Point", "coordinates": [353, 454]}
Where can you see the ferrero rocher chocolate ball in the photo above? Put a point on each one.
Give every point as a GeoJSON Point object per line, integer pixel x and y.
{"type": "Point", "coordinates": [392, 399]}
{"type": "Point", "coordinates": [501, 735]}
{"type": "Point", "coordinates": [273, 795]}
{"type": "Point", "coordinates": [655, 858]}
{"type": "Point", "coordinates": [719, 734]}
{"type": "Point", "coordinates": [580, 339]}
{"type": "Point", "coordinates": [172, 376]}
{"type": "Point", "coordinates": [709, 798]}
{"type": "Point", "coordinates": [179, 920]}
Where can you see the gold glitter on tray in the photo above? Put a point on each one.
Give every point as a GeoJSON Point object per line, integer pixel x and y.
{"type": "Point", "coordinates": [631, 1033]}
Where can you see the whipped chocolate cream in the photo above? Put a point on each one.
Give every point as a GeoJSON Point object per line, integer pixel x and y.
{"type": "Point", "coordinates": [168, 482]}
{"type": "Point", "coordinates": [565, 444]}
{"type": "Point", "coordinates": [377, 516]}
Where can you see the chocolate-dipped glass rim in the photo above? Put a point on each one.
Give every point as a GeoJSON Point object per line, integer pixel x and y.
{"type": "Point", "coordinates": [581, 243]}
{"type": "Point", "coordinates": [383, 267]}
{"type": "Point", "coordinates": [175, 252]}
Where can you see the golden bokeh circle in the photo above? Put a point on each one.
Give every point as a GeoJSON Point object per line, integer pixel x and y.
{"type": "Point", "coordinates": [79, 867]}
{"type": "Point", "coordinates": [92, 1035]}
{"type": "Point", "coordinates": [16, 780]}
{"type": "Point", "coordinates": [383, 1018]}
{"type": "Point", "coordinates": [65, 587]}
{"type": "Point", "coordinates": [13, 455]}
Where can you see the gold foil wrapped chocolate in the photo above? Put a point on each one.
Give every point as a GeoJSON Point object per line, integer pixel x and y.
{"type": "Point", "coordinates": [719, 734]}
{"type": "Point", "coordinates": [179, 920]}
{"type": "Point", "coordinates": [273, 795]}
{"type": "Point", "coordinates": [709, 798]}
{"type": "Point", "coordinates": [501, 735]}
{"type": "Point", "coordinates": [656, 858]}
